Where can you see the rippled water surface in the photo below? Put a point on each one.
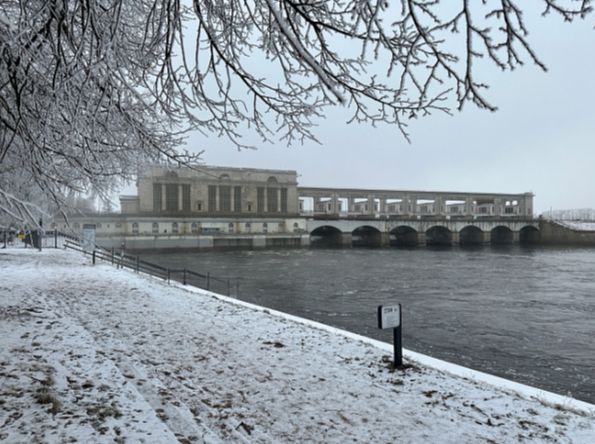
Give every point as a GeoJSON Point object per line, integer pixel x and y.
{"type": "Point", "coordinates": [524, 314]}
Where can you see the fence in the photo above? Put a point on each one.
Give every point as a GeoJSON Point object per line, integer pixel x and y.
{"type": "Point", "coordinates": [56, 239]}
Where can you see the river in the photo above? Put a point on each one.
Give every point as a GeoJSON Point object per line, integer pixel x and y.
{"type": "Point", "coordinates": [526, 314]}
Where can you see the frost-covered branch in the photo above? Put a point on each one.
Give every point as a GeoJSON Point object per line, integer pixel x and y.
{"type": "Point", "coordinates": [89, 91]}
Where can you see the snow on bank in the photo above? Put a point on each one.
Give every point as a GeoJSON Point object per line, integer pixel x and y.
{"type": "Point", "coordinates": [90, 353]}
{"type": "Point", "coordinates": [577, 225]}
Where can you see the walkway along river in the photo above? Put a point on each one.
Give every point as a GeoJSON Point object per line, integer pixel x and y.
{"type": "Point", "coordinates": [526, 314]}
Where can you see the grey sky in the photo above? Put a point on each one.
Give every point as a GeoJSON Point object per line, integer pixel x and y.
{"type": "Point", "coordinates": [539, 140]}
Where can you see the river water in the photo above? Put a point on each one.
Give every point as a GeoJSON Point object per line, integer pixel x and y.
{"type": "Point", "coordinates": [526, 314]}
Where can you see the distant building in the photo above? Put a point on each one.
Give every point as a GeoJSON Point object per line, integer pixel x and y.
{"type": "Point", "coordinates": [214, 191]}
{"type": "Point", "coordinates": [207, 206]}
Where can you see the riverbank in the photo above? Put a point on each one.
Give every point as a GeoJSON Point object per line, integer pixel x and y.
{"type": "Point", "coordinates": [96, 354]}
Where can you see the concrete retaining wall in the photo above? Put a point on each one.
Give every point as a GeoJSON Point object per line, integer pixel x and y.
{"type": "Point", "coordinates": [552, 233]}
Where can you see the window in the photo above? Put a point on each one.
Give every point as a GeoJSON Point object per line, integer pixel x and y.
{"type": "Point", "coordinates": [107, 225]}
{"type": "Point", "coordinates": [509, 210]}
{"type": "Point", "coordinates": [272, 200]}
{"type": "Point", "coordinates": [260, 200]}
{"type": "Point", "coordinates": [171, 197]}
{"type": "Point", "coordinates": [157, 204]}
{"type": "Point", "coordinates": [194, 228]}
{"type": "Point", "coordinates": [265, 228]}
{"type": "Point", "coordinates": [247, 226]}
{"type": "Point", "coordinates": [212, 198]}
{"type": "Point", "coordinates": [225, 198]}
{"type": "Point", "coordinates": [249, 207]}
{"type": "Point", "coordinates": [135, 228]}
{"type": "Point", "coordinates": [118, 225]}
{"type": "Point", "coordinates": [98, 225]}
{"type": "Point", "coordinates": [284, 200]}
{"type": "Point", "coordinates": [174, 228]}
{"type": "Point", "coordinates": [237, 199]}
{"type": "Point", "coordinates": [155, 228]}
{"type": "Point", "coordinates": [230, 227]}
{"type": "Point", "coordinates": [185, 197]}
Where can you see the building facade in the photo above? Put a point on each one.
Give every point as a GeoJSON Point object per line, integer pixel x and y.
{"type": "Point", "coordinates": [207, 206]}
{"type": "Point", "coordinates": [214, 192]}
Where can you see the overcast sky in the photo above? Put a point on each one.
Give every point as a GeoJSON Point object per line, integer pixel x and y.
{"type": "Point", "coordinates": [540, 140]}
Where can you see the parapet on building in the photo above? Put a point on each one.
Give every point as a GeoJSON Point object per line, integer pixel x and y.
{"type": "Point", "coordinates": [210, 206]}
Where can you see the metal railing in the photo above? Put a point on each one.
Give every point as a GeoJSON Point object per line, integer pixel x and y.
{"type": "Point", "coordinates": [229, 286]}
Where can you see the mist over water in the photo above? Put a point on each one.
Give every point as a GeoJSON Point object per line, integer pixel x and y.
{"type": "Point", "coordinates": [526, 314]}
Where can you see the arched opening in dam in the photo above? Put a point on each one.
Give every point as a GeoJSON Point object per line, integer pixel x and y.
{"type": "Point", "coordinates": [326, 236]}
{"type": "Point", "coordinates": [501, 236]}
{"type": "Point", "coordinates": [403, 236]}
{"type": "Point", "coordinates": [366, 236]}
{"type": "Point", "coordinates": [529, 235]}
{"type": "Point", "coordinates": [438, 236]}
{"type": "Point", "coordinates": [471, 235]}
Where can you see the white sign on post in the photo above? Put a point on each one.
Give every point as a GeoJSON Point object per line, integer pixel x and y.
{"type": "Point", "coordinates": [389, 316]}
{"type": "Point", "coordinates": [88, 241]}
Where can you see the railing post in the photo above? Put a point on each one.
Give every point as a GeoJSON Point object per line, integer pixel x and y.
{"type": "Point", "coordinates": [93, 257]}
{"type": "Point", "coordinates": [56, 239]}
{"type": "Point", "coordinates": [137, 264]}
{"type": "Point", "coordinates": [168, 276]}
{"type": "Point", "coordinates": [112, 255]}
{"type": "Point", "coordinates": [208, 281]}
{"type": "Point", "coordinates": [184, 278]}
{"type": "Point", "coordinates": [228, 287]}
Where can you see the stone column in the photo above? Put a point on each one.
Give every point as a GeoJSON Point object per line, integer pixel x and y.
{"type": "Point", "coordinates": [516, 235]}
{"type": "Point", "coordinates": [316, 204]}
{"type": "Point", "coordinates": [163, 197]}
{"type": "Point", "coordinates": [334, 203]}
{"type": "Point", "coordinates": [468, 206]}
{"type": "Point", "coordinates": [438, 205]}
{"type": "Point", "coordinates": [346, 239]}
{"type": "Point", "coordinates": [487, 237]}
{"type": "Point", "coordinates": [384, 239]}
{"type": "Point", "coordinates": [382, 206]}
{"type": "Point", "coordinates": [349, 205]}
{"type": "Point", "coordinates": [455, 238]}
{"type": "Point", "coordinates": [371, 204]}
{"type": "Point", "coordinates": [421, 238]}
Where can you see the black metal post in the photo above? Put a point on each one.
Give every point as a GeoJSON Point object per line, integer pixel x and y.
{"type": "Point", "coordinates": [93, 257]}
{"type": "Point", "coordinates": [112, 255]}
{"type": "Point", "coordinates": [168, 276]}
{"type": "Point", "coordinates": [55, 238]}
{"type": "Point", "coordinates": [398, 342]}
{"type": "Point", "coordinates": [137, 264]}
{"type": "Point", "coordinates": [184, 278]}
{"type": "Point", "coordinates": [5, 235]}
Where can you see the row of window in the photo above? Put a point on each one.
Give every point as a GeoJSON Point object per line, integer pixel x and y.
{"type": "Point", "coordinates": [220, 198]}
{"type": "Point", "coordinates": [195, 228]}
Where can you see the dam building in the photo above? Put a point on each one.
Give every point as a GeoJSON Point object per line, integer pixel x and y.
{"type": "Point", "coordinates": [208, 206]}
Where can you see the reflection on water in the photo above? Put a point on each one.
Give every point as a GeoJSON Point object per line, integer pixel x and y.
{"type": "Point", "coordinates": [524, 314]}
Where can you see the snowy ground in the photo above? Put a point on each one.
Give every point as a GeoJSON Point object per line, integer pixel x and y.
{"type": "Point", "coordinates": [95, 354]}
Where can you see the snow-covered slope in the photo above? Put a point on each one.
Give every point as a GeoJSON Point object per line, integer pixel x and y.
{"type": "Point", "coordinates": [95, 354]}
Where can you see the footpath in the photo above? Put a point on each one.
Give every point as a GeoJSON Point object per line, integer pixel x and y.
{"type": "Point", "coordinates": [95, 354]}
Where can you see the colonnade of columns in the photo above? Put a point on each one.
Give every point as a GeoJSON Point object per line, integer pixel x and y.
{"type": "Point", "coordinates": [348, 202]}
